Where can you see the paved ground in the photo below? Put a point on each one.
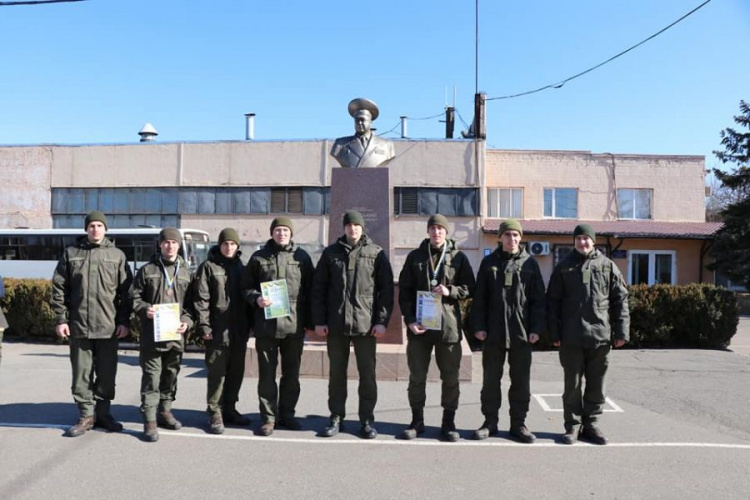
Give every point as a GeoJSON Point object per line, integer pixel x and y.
{"type": "Point", "coordinates": [679, 425]}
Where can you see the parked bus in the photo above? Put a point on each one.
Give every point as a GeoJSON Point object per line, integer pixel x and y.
{"type": "Point", "coordinates": [34, 253]}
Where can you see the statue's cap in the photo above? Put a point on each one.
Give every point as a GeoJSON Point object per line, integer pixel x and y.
{"type": "Point", "coordinates": [360, 103]}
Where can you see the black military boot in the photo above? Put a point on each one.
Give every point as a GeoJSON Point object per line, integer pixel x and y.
{"type": "Point", "coordinates": [570, 436]}
{"type": "Point", "coordinates": [488, 428]}
{"type": "Point", "coordinates": [104, 419]}
{"type": "Point", "coordinates": [416, 426]}
{"type": "Point", "coordinates": [368, 431]}
{"type": "Point", "coordinates": [448, 428]}
{"type": "Point", "coordinates": [592, 434]}
{"type": "Point", "coordinates": [332, 428]}
{"type": "Point", "coordinates": [522, 434]}
{"type": "Point", "coordinates": [233, 417]}
{"type": "Point", "coordinates": [84, 424]}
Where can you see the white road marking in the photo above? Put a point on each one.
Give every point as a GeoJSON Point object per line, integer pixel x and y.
{"type": "Point", "coordinates": [347, 439]}
{"type": "Point", "coordinates": [540, 398]}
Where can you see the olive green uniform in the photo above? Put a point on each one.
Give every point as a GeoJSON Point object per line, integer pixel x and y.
{"type": "Point", "coordinates": [160, 361]}
{"type": "Point", "coordinates": [587, 305]}
{"type": "Point", "coordinates": [509, 305]}
{"type": "Point", "coordinates": [222, 311]}
{"type": "Point", "coordinates": [454, 273]}
{"type": "Point", "coordinates": [285, 335]}
{"type": "Point", "coordinates": [352, 292]}
{"type": "Point", "coordinates": [90, 294]}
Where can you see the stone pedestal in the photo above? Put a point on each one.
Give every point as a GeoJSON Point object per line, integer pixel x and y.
{"type": "Point", "coordinates": [368, 191]}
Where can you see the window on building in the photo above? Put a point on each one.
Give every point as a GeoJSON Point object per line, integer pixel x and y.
{"type": "Point", "coordinates": [634, 203]}
{"type": "Point", "coordinates": [460, 202]}
{"type": "Point", "coordinates": [505, 203]}
{"type": "Point", "coordinates": [650, 267]}
{"type": "Point", "coordinates": [286, 200]}
{"type": "Point", "coordinates": [561, 203]}
{"type": "Point", "coordinates": [160, 207]}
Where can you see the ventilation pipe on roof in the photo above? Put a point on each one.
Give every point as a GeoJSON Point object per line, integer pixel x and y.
{"type": "Point", "coordinates": [403, 126]}
{"type": "Point", "coordinates": [249, 126]}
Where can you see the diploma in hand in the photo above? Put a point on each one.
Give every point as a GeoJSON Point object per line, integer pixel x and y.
{"type": "Point", "coordinates": [166, 322]}
{"type": "Point", "coordinates": [429, 310]}
{"type": "Point", "coordinates": [278, 293]}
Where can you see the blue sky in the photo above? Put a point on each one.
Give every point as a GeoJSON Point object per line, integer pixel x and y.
{"type": "Point", "coordinates": [96, 71]}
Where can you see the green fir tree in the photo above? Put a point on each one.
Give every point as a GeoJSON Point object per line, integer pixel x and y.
{"type": "Point", "coordinates": [731, 248]}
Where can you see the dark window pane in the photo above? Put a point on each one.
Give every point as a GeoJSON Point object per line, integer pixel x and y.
{"type": "Point", "coordinates": [121, 201]}
{"type": "Point", "coordinates": [138, 201]}
{"type": "Point", "coordinates": [314, 201]}
{"type": "Point", "coordinates": [446, 202]}
{"type": "Point", "coordinates": [170, 220]}
{"type": "Point", "coordinates": [107, 200]}
{"type": "Point", "coordinates": [188, 201]}
{"type": "Point", "coordinates": [59, 199]}
{"type": "Point", "coordinates": [153, 200]}
{"type": "Point", "coordinates": [428, 201]}
{"type": "Point", "coordinates": [294, 201]}
{"type": "Point", "coordinates": [409, 200]}
{"type": "Point", "coordinates": [76, 202]}
{"type": "Point", "coordinates": [206, 201]}
{"type": "Point", "coordinates": [169, 201]}
{"type": "Point", "coordinates": [278, 200]}
{"type": "Point", "coordinates": [467, 203]}
{"type": "Point", "coordinates": [241, 201]}
{"type": "Point", "coordinates": [223, 201]}
{"type": "Point", "coordinates": [92, 199]}
{"type": "Point", "coordinates": [260, 201]}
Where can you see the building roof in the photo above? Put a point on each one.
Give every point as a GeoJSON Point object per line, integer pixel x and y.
{"type": "Point", "coordinates": [616, 228]}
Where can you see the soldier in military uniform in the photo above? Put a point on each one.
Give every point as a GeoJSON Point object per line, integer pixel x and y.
{"type": "Point", "coordinates": [508, 316]}
{"type": "Point", "coordinates": [352, 302]}
{"type": "Point", "coordinates": [90, 299]}
{"type": "Point", "coordinates": [440, 268]}
{"type": "Point", "coordinates": [588, 313]}
{"type": "Point", "coordinates": [279, 259]}
{"type": "Point", "coordinates": [164, 280]}
{"type": "Point", "coordinates": [223, 321]}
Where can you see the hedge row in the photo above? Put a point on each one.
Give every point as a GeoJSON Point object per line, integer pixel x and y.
{"type": "Point", "coordinates": [696, 315]}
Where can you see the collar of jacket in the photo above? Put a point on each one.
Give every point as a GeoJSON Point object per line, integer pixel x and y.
{"type": "Point", "coordinates": [156, 259]}
{"type": "Point", "coordinates": [503, 255]}
{"type": "Point", "coordinates": [451, 246]}
{"type": "Point", "coordinates": [215, 256]}
{"type": "Point", "coordinates": [83, 242]}
{"type": "Point", "coordinates": [274, 247]}
{"type": "Point", "coordinates": [364, 240]}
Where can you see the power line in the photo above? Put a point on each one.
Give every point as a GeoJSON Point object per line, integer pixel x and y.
{"type": "Point", "coordinates": [563, 82]}
{"type": "Point", "coordinates": [37, 2]}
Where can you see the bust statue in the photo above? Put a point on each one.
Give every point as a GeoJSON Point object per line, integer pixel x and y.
{"type": "Point", "coordinates": [363, 149]}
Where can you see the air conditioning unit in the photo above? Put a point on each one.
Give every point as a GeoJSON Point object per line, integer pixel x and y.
{"type": "Point", "coordinates": [538, 247]}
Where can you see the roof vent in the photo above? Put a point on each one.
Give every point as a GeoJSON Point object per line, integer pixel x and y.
{"type": "Point", "coordinates": [148, 133]}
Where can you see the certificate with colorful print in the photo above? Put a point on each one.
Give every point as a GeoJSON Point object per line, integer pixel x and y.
{"type": "Point", "coordinates": [430, 310]}
{"type": "Point", "coordinates": [166, 322]}
{"type": "Point", "coordinates": [277, 292]}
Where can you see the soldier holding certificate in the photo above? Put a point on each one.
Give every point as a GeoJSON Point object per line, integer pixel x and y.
{"type": "Point", "coordinates": [278, 280]}
{"type": "Point", "coordinates": [158, 294]}
{"type": "Point", "coordinates": [435, 277]}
